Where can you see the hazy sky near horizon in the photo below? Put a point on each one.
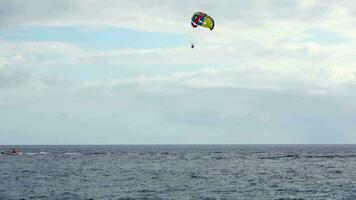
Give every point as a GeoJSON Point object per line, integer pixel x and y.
{"type": "Point", "coordinates": [123, 72]}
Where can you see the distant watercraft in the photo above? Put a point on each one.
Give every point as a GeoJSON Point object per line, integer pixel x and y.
{"type": "Point", "coordinates": [12, 152]}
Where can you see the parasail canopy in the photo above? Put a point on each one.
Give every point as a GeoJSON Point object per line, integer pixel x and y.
{"type": "Point", "coordinates": [203, 20]}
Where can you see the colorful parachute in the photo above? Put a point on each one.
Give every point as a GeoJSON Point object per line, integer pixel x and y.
{"type": "Point", "coordinates": [203, 20]}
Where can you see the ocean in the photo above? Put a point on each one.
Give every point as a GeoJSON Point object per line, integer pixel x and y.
{"type": "Point", "coordinates": [180, 172]}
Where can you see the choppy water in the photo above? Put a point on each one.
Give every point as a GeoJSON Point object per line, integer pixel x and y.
{"type": "Point", "coordinates": [180, 172]}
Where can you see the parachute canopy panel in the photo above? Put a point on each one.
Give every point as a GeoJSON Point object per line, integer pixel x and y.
{"type": "Point", "coordinates": [203, 20]}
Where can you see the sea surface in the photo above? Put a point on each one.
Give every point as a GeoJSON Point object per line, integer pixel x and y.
{"type": "Point", "coordinates": [180, 172]}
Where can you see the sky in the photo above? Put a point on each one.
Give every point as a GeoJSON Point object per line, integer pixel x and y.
{"type": "Point", "coordinates": [123, 72]}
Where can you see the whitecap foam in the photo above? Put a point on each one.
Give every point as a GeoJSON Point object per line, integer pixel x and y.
{"type": "Point", "coordinates": [72, 153]}
{"type": "Point", "coordinates": [31, 153]}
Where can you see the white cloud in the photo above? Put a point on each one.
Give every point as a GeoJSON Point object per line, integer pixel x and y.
{"type": "Point", "coordinates": [173, 15]}
{"type": "Point", "coordinates": [200, 105]}
{"type": "Point", "coordinates": [33, 48]}
{"type": "Point", "coordinates": [248, 65]}
{"type": "Point", "coordinates": [252, 33]}
{"type": "Point", "coordinates": [258, 75]}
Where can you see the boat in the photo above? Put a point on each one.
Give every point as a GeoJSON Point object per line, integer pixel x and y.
{"type": "Point", "coordinates": [12, 152]}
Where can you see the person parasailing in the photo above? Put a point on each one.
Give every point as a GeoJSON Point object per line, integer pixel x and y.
{"type": "Point", "coordinates": [203, 20]}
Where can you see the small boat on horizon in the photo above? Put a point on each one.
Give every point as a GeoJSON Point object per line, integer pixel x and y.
{"type": "Point", "coordinates": [12, 152]}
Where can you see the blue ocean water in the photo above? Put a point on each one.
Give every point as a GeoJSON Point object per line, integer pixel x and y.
{"type": "Point", "coordinates": [180, 172]}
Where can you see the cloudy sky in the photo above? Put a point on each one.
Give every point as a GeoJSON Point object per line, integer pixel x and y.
{"type": "Point", "coordinates": [123, 72]}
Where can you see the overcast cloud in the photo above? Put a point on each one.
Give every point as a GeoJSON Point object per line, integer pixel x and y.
{"type": "Point", "coordinates": [275, 71]}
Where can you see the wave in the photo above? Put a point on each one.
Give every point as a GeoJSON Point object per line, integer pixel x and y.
{"type": "Point", "coordinates": [37, 153]}
{"type": "Point", "coordinates": [72, 153]}
{"type": "Point", "coordinates": [298, 156]}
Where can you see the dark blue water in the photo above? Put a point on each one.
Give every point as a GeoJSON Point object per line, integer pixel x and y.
{"type": "Point", "coordinates": [180, 172]}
